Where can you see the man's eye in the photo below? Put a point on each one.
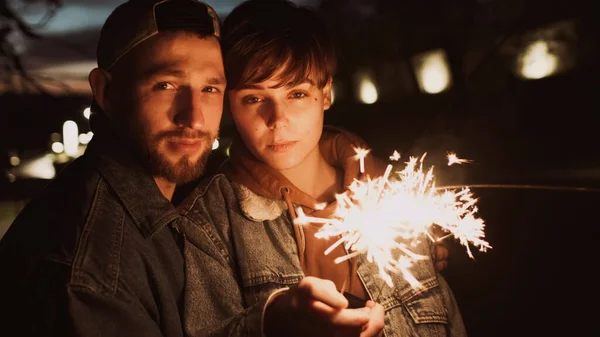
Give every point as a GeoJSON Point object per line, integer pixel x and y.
{"type": "Point", "coordinates": [210, 89]}
{"type": "Point", "coordinates": [164, 86]}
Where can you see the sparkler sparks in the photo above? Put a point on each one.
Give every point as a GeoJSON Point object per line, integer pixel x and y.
{"type": "Point", "coordinates": [384, 217]}
{"type": "Point", "coordinates": [453, 159]}
{"type": "Point", "coordinates": [360, 155]}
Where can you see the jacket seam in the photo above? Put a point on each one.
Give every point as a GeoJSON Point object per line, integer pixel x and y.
{"type": "Point", "coordinates": [215, 241]}
{"type": "Point", "coordinates": [200, 194]}
{"type": "Point", "coordinates": [115, 252]}
{"type": "Point", "coordinates": [82, 244]}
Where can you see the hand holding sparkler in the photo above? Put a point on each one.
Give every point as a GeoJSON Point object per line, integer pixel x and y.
{"type": "Point", "coordinates": [314, 307]}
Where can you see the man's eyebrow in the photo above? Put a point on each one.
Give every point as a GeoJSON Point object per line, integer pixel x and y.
{"type": "Point", "coordinates": [171, 69]}
{"type": "Point", "coordinates": [163, 69]}
{"type": "Point", "coordinates": [217, 80]}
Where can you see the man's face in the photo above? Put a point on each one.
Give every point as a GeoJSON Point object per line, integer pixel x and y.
{"type": "Point", "coordinates": [169, 102]}
{"type": "Point", "coordinates": [280, 125]}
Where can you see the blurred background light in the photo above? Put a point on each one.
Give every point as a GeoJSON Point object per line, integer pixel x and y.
{"type": "Point", "coordinates": [432, 71]}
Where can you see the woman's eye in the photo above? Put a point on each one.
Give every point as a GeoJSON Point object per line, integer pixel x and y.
{"type": "Point", "coordinates": [298, 95]}
{"type": "Point", "coordinates": [252, 100]}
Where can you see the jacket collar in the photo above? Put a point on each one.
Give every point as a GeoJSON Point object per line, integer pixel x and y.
{"type": "Point", "coordinates": [131, 182]}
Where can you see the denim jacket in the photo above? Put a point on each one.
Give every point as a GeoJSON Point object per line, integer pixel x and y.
{"type": "Point", "coordinates": [98, 253]}
{"type": "Point", "coordinates": [262, 256]}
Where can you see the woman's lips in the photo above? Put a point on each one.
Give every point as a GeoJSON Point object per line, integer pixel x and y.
{"type": "Point", "coordinates": [281, 146]}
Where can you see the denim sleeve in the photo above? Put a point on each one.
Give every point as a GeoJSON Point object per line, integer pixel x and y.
{"type": "Point", "coordinates": [91, 313]}
{"type": "Point", "coordinates": [42, 304]}
{"type": "Point", "coordinates": [213, 301]}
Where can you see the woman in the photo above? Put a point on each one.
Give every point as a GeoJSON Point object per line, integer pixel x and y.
{"type": "Point", "coordinates": [279, 65]}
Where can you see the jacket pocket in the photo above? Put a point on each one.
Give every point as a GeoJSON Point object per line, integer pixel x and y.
{"type": "Point", "coordinates": [424, 304]}
{"type": "Point", "coordinates": [417, 312]}
{"type": "Point", "coordinates": [427, 307]}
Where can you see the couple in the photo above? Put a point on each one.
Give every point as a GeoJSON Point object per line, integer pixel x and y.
{"type": "Point", "coordinates": [127, 240]}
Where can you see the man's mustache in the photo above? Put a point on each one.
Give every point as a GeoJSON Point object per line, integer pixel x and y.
{"type": "Point", "coordinates": [183, 133]}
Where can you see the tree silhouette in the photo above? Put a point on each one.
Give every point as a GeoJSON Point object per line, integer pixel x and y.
{"type": "Point", "coordinates": [11, 65]}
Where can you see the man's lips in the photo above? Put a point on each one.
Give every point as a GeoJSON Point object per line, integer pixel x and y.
{"type": "Point", "coordinates": [185, 144]}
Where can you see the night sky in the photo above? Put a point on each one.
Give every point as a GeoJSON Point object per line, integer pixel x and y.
{"type": "Point", "coordinates": [67, 52]}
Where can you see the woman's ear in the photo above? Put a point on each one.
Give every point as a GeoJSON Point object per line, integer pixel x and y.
{"type": "Point", "coordinates": [327, 94]}
{"type": "Point", "coordinates": [99, 80]}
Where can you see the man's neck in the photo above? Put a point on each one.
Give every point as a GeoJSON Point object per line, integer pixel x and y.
{"type": "Point", "coordinates": [316, 177]}
{"type": "Point", "coordinates": [166, 187]}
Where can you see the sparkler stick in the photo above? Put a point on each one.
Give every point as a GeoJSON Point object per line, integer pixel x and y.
{"type": "Point", "coordinates": [519, 186]}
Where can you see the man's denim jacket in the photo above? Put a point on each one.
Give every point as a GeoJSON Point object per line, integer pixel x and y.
{"type": "Point", "coordinates": [98, 253]}
{"type": "Point", "coordinates": [225, 295]}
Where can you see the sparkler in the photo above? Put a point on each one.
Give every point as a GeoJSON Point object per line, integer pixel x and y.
{"type": "Point", "coordinates": [384, 217]}
{"type": "Point", "coordinates": [453, 159]}
{"type": "Point", "coordinates": [360, 156]}
{"type": "Point", "coordinates": [395, 156]}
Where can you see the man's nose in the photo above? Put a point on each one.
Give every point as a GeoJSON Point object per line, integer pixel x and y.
{"type": "Point", "coordinates": [190, 110]}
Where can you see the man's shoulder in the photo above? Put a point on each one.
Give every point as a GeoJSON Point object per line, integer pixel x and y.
{"type": "Point", "coordinates": [56, 213]}
{"type": "Point", "coordinates": [75, 222]}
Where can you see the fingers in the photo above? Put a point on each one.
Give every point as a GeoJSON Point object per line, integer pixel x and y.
{"type": "Point", "coordinates": [314, 307]}
{"type": "Point", "coordinates": [347, 317]}
{"type": "Point", "coordinates": [441, 252]}
{"type": "Point", "coordinates": [322, 291]}
{"type": "Point", "coordinates": [376, 321]}
{"type": "Point", "coordinates": [441, 257]}
{"type": "Point", "coordinates": [441, 265]}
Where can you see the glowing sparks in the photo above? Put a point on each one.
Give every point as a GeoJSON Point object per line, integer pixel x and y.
{"type": "Point", "coordinates": [395, 156]}
{"type": "Point", "coordinates": [360, 156]}
{"type": "Point", "coordinates": [383, 218]}
{"type": "Point", "coordinates": [320, 206]}
{"type": "Point", "coordinates": [453, 159]}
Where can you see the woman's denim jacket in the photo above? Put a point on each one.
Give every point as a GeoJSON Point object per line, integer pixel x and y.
{"type": "Point", "coordinates": [255, 253]}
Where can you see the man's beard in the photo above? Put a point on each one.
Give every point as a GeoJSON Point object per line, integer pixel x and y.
{"type": "Point", "coordinates": [184, 170]}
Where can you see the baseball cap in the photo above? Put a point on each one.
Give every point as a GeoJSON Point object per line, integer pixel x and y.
{"type": "Point", "coordinates": [137, 20]}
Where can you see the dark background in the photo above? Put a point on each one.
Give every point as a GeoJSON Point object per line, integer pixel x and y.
{"type": "Point", "coordinates": [538, 279]}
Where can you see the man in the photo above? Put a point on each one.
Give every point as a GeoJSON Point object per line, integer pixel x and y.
{"type": "Point", "coordinates": [98, 252]}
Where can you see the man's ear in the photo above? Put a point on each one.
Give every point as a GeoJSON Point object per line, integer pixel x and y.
{"type": "Point", "coordinates": [327, 94]}
{"type": "Point", "coordinates": [99, 80]}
